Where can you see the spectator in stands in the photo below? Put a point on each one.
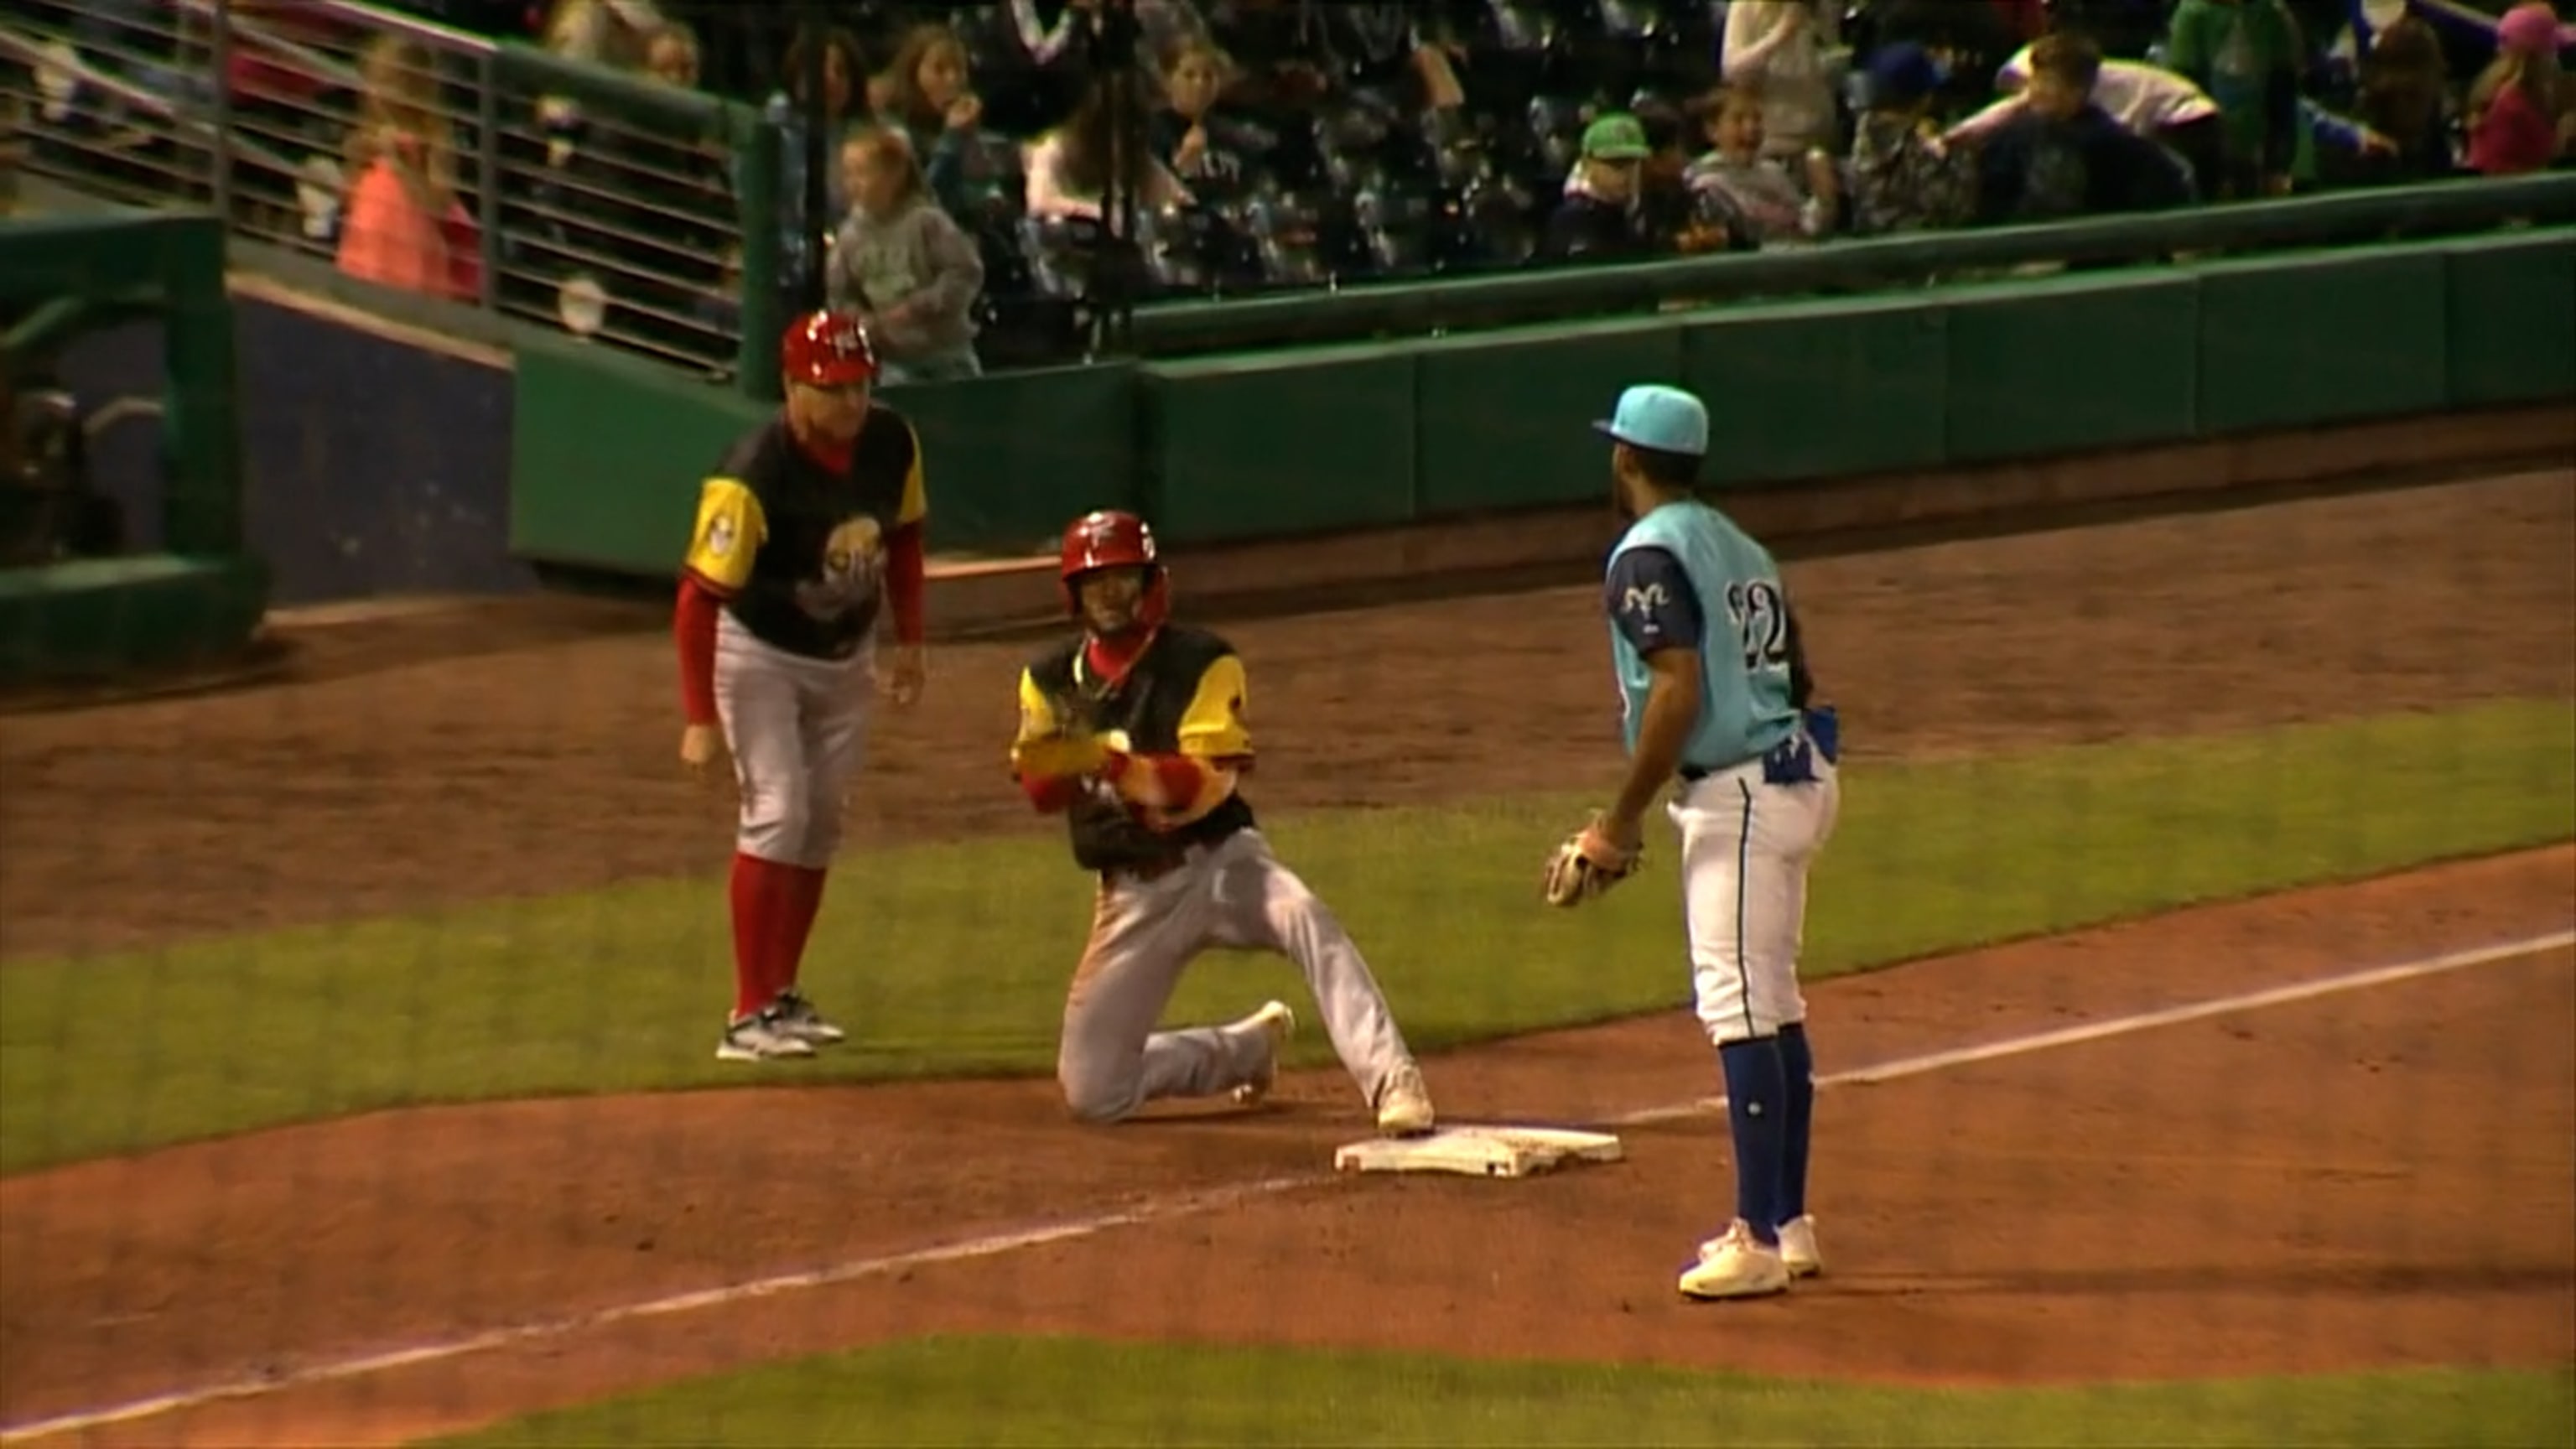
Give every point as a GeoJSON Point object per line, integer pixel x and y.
{"type": "Point", "coordinates": [902, 262]}
{"type": "Point", "coordinates": [2246, 54]}
{"type": "Point", "coordinates": [2063, 156]}
{"type": "Point", "coordinates": [1385, 45]}
{"type": "Point", "coordinates": [2405, 96]}
{"type": "Point", "coordinates": [1791, 52]}
{"type": "Point", "coordinates": [1742, 197]}
{"type": "Point", "coordinates": [1599, 219]}
{"type": "Point", "coordinates": [844, 111]}
{"type": "Point", "coordinates": [926, 90]}
{"type": "Point", "coordinates": [1297, 51]}
{"type": "Point", "coordinates": [2401, 127]}
{"type": "Point", "coordinates": [404, 226]}
{"type": "Point", "coordinates": [2520, 117]}
{"type": "Point", "coordinates": [1057, 38]}
{"type": "Point", "coordinates": [1663, 178]}
{"type": "Point", "coordinates": [672, 57]}
{"type": "Point", "coordinates": [2124, 29]}
{"type": "Point", "coordinates": [613, 34]}
{"type": "Point", "coordinates": [1970, 40]}
{"type": "Point", "coordinates": [1904, 176]}
{"type": "Point", "coordinates": [2152, 102]}
{"type": "Point", "coordinates": [1166, 25]}
{"type": "Point", "coordinates": [1069, 169]}
{"type": "Point", "coordinates": [1191, 133]}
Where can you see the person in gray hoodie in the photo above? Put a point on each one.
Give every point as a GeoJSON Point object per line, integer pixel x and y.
{"type": "Point", "coordinates": [904, 265]}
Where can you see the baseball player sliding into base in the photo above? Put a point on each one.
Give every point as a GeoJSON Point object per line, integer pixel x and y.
{"type": "Point", "coordinates": [1135, 731]}
{"type": "Point", "coordinates": [809, 528]}
{"type": "Point", "coordinates": [1716, 701]}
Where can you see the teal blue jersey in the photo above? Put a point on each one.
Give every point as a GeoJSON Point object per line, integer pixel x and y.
{"type": "Point", "coordinates": [1684, 576]}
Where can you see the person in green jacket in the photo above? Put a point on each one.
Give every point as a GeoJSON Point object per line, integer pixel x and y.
{"type": "Point", "coordinates": [2246, 55]}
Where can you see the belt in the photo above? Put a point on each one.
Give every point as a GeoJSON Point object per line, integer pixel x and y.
{"type": "Point", "coordinates": [1693, 774]}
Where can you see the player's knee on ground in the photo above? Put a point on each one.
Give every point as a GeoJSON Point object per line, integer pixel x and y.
{"type": "Point", "coordinates": [1098, 1096]}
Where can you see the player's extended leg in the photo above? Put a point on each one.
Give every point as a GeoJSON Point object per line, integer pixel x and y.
{"type": "Point", "coordinates": [838, 703]}
{"type": "Point", "coordinates": [1111, 1061]}
{"type": "Point", "coordinates": [1263, 904]}
{"type": "Point", "coordinates": [1798, 1074]}
{"type": "Point", "coordinates": [757, 701]}
{"type": "Point", "coordinates": [1746, 846]}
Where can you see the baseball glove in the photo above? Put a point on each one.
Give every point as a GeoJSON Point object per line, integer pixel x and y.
{"type": "Point", "coordinates": [1053, 743]}
{"type": "Point", "coordinates": [1061, 756]}
{"type": "Point", "coordinates": [1586, 864]}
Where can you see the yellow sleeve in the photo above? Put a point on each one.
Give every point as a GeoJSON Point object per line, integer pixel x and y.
{"type": "Point", "coordinates": [728, 533]}
{"type": "Point", "coordinates": [1037, 715]}
{"type": "Point", "coordinates": [916, 500]}
{"type": "Point", "coordinates": [1213, 727]}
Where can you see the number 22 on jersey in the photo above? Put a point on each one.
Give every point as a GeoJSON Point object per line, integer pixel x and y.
{"type": "Point", "coordinates": [1761, 624]}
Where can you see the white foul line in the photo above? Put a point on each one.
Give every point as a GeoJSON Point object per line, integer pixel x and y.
{"type": "Point", "coordinates": [1969, 1056]}
{"type": "Point", "coordinates": [1191, 1204]}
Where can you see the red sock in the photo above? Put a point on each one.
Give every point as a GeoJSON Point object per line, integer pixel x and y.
{"type": "Point", "coordinates": [800, 895]}
{"type": "Point", "coordinates": [755, 916]}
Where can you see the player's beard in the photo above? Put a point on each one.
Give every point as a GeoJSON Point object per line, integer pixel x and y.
{"type": "Point", "coordinates": [1623, 500]}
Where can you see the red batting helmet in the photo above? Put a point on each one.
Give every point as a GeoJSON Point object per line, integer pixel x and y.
{"type": "Point", "coordinates": [1112, 539]}
{"type": "Point", "coordinates": [826, 349]}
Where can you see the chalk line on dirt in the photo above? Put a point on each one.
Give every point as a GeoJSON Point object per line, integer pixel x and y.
{"type": "Point", "coordinates": [1191, 1204]}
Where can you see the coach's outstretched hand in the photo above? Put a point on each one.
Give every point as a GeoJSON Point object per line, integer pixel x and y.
{"type": "Point", "coordinates": [1587, 864]}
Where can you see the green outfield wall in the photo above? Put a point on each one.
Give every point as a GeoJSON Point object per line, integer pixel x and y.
{"type": "Point", "coordinates": [609, 451]}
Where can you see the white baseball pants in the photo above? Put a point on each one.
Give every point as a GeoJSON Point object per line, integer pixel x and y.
{"type": "Point", "coordinates": [1144, 934]}
{"type": "Point", "coordinates": [798, 730]}
{"type": "Point", "coordinates": [1746, 848]}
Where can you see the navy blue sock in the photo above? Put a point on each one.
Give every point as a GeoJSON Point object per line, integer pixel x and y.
{"type": "Point", "coordinates": [1757, 1109]}
{"type": "Point", "coordinates": [1798, 1065]}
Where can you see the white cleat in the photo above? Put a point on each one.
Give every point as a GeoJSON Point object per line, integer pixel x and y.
{"type": "Point", "coordinates": [1404, 1104]}
{"type": "Point", "coordinates": [1798, 1247]}
{"type": "Point", "coordinates": [1279, 1023]}
{"type": "Point", "coordinates": [1733, 1265]}
{"type": "Point", "coordinates": [760, 1039]}
{"type": "Point", "coordinates": [795, 1016]}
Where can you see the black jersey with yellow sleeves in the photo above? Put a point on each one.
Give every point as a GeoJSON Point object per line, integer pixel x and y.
{"type": "Point", "coordinates": [799, 548]}
{"type": "Point", "coordinates": [1183, 695]}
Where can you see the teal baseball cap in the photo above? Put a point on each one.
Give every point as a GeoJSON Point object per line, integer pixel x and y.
{"type": "Point", "coordinates": [1665, 419]}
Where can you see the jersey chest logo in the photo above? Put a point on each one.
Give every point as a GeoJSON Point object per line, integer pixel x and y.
{"type": "Point", "coordinates": [848, 574]}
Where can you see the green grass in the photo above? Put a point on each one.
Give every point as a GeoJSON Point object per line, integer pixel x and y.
{"type": "Point", "coordinates": [1062, 1391]}
{"type": "Point", "coordinates": [953, 959]}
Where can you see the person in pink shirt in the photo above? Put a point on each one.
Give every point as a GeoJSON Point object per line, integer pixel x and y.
{"type": "Point", "coordinates": [2519, 110]}
{"type": "Point", "coordinates": [403, 225]}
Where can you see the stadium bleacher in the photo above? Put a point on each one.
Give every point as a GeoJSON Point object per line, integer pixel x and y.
{"type": "Point", "coordinates": [1336, 157]}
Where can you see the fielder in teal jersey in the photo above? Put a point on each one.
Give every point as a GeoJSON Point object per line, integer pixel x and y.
{"type": "Point", "coordinates": [1717, 703]}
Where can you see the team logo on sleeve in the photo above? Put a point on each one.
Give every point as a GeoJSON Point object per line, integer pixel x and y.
{"type": "Point", "coordinates": [720, 537]}
{"type": "Point", "coordinates": [850, 572]}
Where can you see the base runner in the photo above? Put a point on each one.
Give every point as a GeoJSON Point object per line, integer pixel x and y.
{"type": "Point", "coordinates": [1716, 701]}
{"type": "Point", "coordinates": [809, 528]}
{"type": "Point", "coordinates": [1135, 731]}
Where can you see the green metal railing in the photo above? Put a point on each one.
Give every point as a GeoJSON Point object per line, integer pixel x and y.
{"type": "Point", "coordinates": [147, 129]}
